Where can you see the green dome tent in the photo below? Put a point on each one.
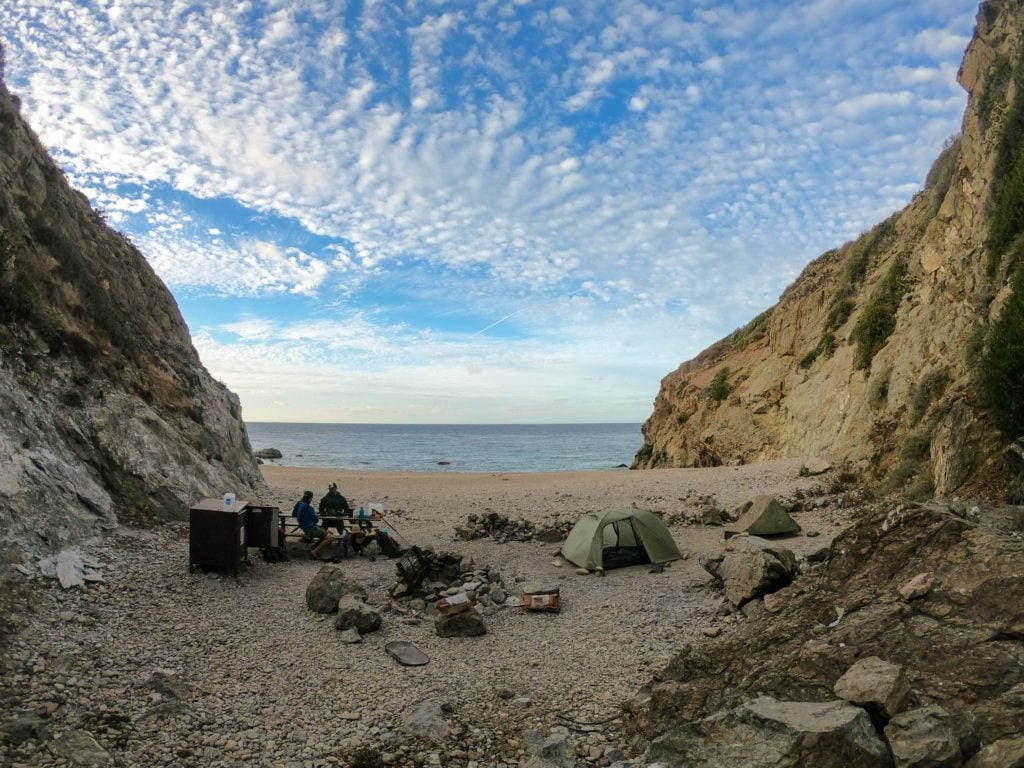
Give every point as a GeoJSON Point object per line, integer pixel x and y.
{"type": "Point", "coordinates": [618, 537]}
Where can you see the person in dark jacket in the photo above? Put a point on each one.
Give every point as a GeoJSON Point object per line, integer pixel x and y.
{"type": "Point", "coordinates": [333, 504]}
{"type": "Point", "coordinates": [309, 522]}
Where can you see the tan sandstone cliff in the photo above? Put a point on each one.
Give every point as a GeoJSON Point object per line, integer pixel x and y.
{"type": "Point", "coordinates": [105, 409]}
{"type": "Point", "coordinates": [870, 355]}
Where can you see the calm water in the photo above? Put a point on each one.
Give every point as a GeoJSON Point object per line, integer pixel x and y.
{"type": "Point", "coordinates": [469, 447]}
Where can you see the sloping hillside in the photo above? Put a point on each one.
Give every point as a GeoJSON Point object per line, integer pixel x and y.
{"type": "Point", "coordinates": [105, 409]}
{"type": "Point", "coordinates": [887, 352]}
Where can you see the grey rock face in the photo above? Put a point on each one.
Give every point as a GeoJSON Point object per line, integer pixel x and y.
{"type": "Point", "coordinates": [104, 402]}
{"type": "Point", "coordinates": [924, 738]}
{"type": "Point", "coordinates": [876, 685]}
{"type": "Point", "coordinates": [780, 734]}
{"type": "Point", "coordinates": [353, 613]}
{"type": "Point", "coordinates": [328, 586]}
{"type": "Point", "coordinates": [751, 567]}
{"type": "Point", "coordinates": [466, 624]}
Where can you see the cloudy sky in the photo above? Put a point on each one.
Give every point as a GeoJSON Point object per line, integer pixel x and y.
{"type": "Point", "coordinates": [515, 211]}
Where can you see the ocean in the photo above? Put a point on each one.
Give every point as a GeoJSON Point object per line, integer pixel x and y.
{"type": "Point", "coordinates": [450, 447]}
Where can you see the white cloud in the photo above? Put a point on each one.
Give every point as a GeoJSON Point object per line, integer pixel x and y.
{"type": "Point", "coordinates": [430, 141]}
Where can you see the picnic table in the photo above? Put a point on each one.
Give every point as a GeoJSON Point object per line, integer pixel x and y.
{"type": "Point", "coordinates": [351, 524]}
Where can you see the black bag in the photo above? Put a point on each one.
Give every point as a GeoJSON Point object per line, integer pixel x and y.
{"type": "Point", "coordinates": [278, 554]}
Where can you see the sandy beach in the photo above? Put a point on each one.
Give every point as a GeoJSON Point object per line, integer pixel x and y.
{"type": "Point", "coordinates": [266, 682]}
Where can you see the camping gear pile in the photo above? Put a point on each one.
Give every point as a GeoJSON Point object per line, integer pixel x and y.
{"type": "Point", "coordinates": [617, 538]}
{"type": "Point", "coordinates": [502, 528]}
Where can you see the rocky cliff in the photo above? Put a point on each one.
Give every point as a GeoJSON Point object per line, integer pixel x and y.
{"type": "Point", "coordinates": [105, 409]}
{"type": "Point", "coordinates": [875, 354]}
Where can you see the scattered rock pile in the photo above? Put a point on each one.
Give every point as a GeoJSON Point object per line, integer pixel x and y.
{"type": "Point", "coordinates": [937, 669]}
{"type": "Point", "coordinates": [455, 591]}
{"type": "Point", "coordinates": [502, 528]}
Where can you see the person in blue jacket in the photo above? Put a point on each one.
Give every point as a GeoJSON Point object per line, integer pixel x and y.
{"type": "Point", "coordinates": [309, 522]}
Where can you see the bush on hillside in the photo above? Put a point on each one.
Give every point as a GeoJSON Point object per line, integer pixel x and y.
{"type": "Point", "coordinates": [926, 391]}
{"type": "Point", "coordinates": [1002, 367]}
{"type": "Point", "coordinates": [878, 318]}
{"type": "Point", "coordinates": [826, 346]}
{"type": "Point", "coordinates": [720, 388]}
{"type": "Point", "coordinates": [1007, 222]}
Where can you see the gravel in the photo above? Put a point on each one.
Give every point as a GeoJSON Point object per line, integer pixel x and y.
{"type": "Point", "coordinates": [162, 667]}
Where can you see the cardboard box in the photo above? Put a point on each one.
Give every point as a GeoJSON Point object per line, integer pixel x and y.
{"type": "Point", "coordinates": [546, 600]}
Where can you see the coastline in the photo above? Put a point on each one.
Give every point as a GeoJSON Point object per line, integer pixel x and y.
{"type": "Point", "coordinates": [425, 506]}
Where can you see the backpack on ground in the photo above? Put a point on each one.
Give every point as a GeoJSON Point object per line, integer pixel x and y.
{"type": "Point", "coordinates": [278, 554]}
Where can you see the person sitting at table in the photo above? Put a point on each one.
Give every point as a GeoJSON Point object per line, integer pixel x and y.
{"type": "Point", "coordinates": [309, 522]}
{"type": "Point", "coordinates": [334, 505]}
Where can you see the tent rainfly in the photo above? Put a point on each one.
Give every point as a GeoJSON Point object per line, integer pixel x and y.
{"type": "Point", "coordinates": [619, 537]}
{"type": "Point", "coordinates": [766, 517]}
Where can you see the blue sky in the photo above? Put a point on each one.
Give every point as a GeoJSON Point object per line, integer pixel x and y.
{"type": "Point", "coordinates": [483, 212]}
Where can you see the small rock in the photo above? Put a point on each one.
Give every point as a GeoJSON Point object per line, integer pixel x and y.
{"type": "Point", "coordinates": [80, 749]}
{"type": "Point", "coordinates": [556, 563]}
{"type": "Point", "coordinates": [582, 572]}
{"type": "Point", "coordinates": [351, 635]}
{"type": "Point", "coordinates": [353, 613]}
{"type": "Point", "coordinates": [426, 721]}
{"type": "Point", "coordinates": [773, 602]}
{"type": "Point", "coordinates": [25, 727]}
{"type": "Point", "coordinates": [465, 624]}
{"type": "Point", "coordinates": [923, 737]}
{"type": "Point", "coordinates": [876, 685]}
{"type": "Point", "coordinates": [1005, 753]}
{"type": "Point", "coordinates": [919, 586]}
{"type": "Point", "coordinates": [815, 466]}
{"type": "Point", "coordinates": [712, 631]}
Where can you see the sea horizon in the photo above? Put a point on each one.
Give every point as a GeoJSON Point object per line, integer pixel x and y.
{"type": "Point", "coordinates": [533, 447]}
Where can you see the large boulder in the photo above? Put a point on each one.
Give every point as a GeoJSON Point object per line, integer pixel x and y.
{"type": "Point", "coordinates": [780, 734]}
{"type": "Point", "coordinates": [268, 453]}
{"type": "Point", "coordinates": [926, 737]}
{"type": "Point", "coordinates": [466, 624]}
{"type": "Point", "coordinates": [353, 613]}
{"type": "Point", "coordinates": [328, 586]}
{"type": "Point", "coordinates": [750, 567]}
{"type": "Point", "coordinates": [876, 685]}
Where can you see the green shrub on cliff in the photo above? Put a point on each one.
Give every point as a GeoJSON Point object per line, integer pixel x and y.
{"type": "Point", "coordinates": [719, 388]}
{"type": "Point", "coordinates": [877, 320]}
{"type": "Point", "coordinates": [994, 94]}
{"type": "Point", "coordinates": [1002, 367]}
{"type": "Point", "coordinates": [925, 391]}
{"type": "Point", "coordinates": [826, 346]}
{"type": "Point", "coordinates": [1007, 222]}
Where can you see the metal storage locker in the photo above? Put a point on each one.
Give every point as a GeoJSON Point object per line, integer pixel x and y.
{"type": "Point", "coordinates": [216, 536]}
{"type": "Point", "coordinates": [261, 526]}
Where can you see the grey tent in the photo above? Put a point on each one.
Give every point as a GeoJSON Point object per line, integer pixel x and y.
{"type": "Point", "coordinates": [618, 537]}
{"type": "Point", "coordinates": [766, 517]}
